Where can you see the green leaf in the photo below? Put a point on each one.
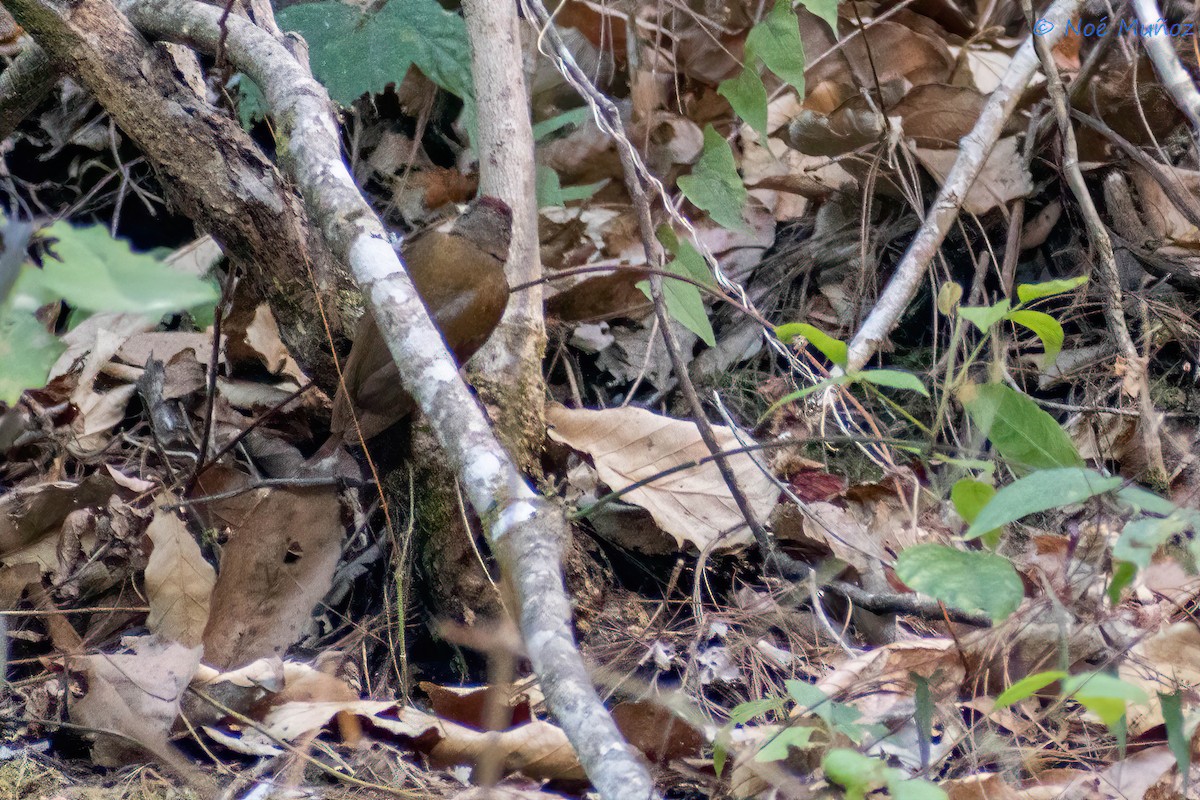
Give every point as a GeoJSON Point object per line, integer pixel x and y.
{"type": "Point", "coordinates": [1028, 292]}
{"type": "Point", "coordinates": [805, 694]}
{"type": "Point", "coordinates": [1143, 500]}
{"type": "Point", "coordinates": [831, 348]}
{"type": "Point", "coordinates": [684, 301]}
{"type": "Point", "coordinates": [984, 317]}
{"type": "Point", "coordinates": [969, 580]}
{"type": "Point", "coordinates": [949, 296]}
{"type": "Point", "coordinates": [838, 716]}
{"type": "Point", "coordinates": [858, 775]}
{"type": "Point", "coordinates": [970, 496]}
{"type": "Point", "coordinates": [748, 96]}
{"type": "Point", "coordinates": [1141, 538]}
{"type": "Point", "coordinates": [352, 53]}
{"type": "Point", "coordinates": [1023, 434]}
{"type": "Point", "coordinates": [1122, 575]}
{"type": "Point", "coordinates": [1177, 738]}
{"type": "Point", "coordinates": [744, 712]}
{"type": "Point", "coordinates": [576, 116]}
{"type": "Point", "coordinates": [690, 263]}
{"type": "Point", "coordinates": [776, 40]}
{"type": "Point", "coordinates": [27, 352]}
{"type": "Point", "coordinates": [1040, 491]}
{"type": "Point", "coordinates": [1046, 327]}
{"type": "Point", "coordinates": [777, 746]}
{"type": "Point", "coordinates": [915, 789]}
{"type": "Point", "coordinates": [715, 185]}
{"type": "Point", "coordinates": [1104, 695]}
{"type": "Point", "coordinates": [854, 772]}
{"type": "Point", "coordinates": [550, 191]}
{"type": "Point", "coordinates": [894, 379]}
{"type": "Point", "coordinates": [1028, 686]}
{"type": "Point", "coordinates": [826, 10]}
{"type": "Point", "coordinates": [96, 272]}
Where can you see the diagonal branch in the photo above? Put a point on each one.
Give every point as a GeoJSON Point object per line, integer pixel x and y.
{"type": "Point", "coordinates": [210, 168]}
{"type": "Point", "coordinates": [1155, 37]}
{"type": "Point", "coordinates": [973, 153]}
{"type": "Point", "coordinates": [525, 531]}
{"type": "Point", "coordinates": [24, 84]}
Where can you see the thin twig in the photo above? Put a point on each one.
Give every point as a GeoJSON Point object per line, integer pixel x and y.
{"type": "Point", "coordinates": [973, 153]}
{"type": "Point", "coordinates": [1156, 39]}
{"type": "Point", "coordinates": [1106, 265]}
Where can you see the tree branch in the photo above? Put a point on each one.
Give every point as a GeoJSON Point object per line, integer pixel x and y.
{"type": "Point", "coordinates": [525, 531]}
{"type": "Point", "coordinates": [973, 153]}
{"type": "Point", "coordinates": [24, 84]}
{"type": "Point", "coordinates": [508, 371]}
{"type": "Point", "coordinates": [211, 170]}
{"type": "Point", "coordinates": [1159, 47]}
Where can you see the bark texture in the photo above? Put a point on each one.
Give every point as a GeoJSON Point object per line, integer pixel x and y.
{"type": "Point", "coordinates": [210, 169]}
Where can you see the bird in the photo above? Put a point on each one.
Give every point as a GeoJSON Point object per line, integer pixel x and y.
{"type": "Point", "coordinates": [460, 277]}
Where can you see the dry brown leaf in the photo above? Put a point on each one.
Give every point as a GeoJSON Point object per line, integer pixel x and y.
{"type": "Point", "coordinates": [165, 345]}
{"type": "Point", "coordinates": [505, 793]}
{"type": "Point", "coordinates": [897, 54]}
{"type": "Point", "coordinates": [1167, 662]}
{"type": "Point", "coordinates": [537, 749]}
{"type": "Point", "coordinates": [694, 505]}
{"type": "Point", "coordinates": [1003, 177]}
{"type": "Point", "coordinates": [1160, 213]}
{"type": "Point", "coordinates": [82, 339]}
{"type": "Point", "coordinates": [657, 732]}
{"type": "Point", "coordinates": [845, 536]}
{"type": "Point", "coordinates": [179, 582]}
{"type": "Point", "coordinates": [276, 567]}
{"type": "Point", "coordinates": [136, 696]}
{"type": "Point", "coordinates": [988, 786]}
{"type": "Point", "coordinates": [983, 68]}
{"type": "Point", "coordinates": [259, 339]}
{"type": "Point", "coordinates": [30, 517]}
{"type": "Point", "coordinates": [99, 412]}
{"type": "Point", "coordinates": [196, 257]}
{"type": "Point", "coordinates": [130, 482]}
{"type": "Point", "coordinates": [1132, 777]}
{"type": "Point", "coordinates": [468, 705]}
{"type": "Point", "coordinates": [936, 115]}
{"type": "Point", "coordinates": [880, 679]}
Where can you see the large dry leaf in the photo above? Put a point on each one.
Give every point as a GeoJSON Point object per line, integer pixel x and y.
{"type": "Point", "coordinates": [886, 52]}
{"type": "Point", "coordinates": [536, 749]}
{"type": "Point", "coordinates": [136, 696]}
{"type": "Point", "coordinates": [936, 115]}
{"type": "Point", "coordinates": [878, 680]}
{"type": "Point", "coordinates": [1003, 178]}
{"type": "Point", "coordinates": [30, 517]}
{"type": "Point", "coordinates": [179, 582]}
{"type": "Point", "coordinates": [276, 567]}
{"type": "Point", "coordinates": [693, 505]}
{"type": "Point", "coordinates": [82, 339]}
{"type": "Point", "coordinates": [1165, 663]}
{"type": "Point", "coordinates": [258, 337]}
{"type": "Point", "coordinates": [99, 411]}
{"type": "Point", "coordinates": [165, 345]}
{"type": "Point", "coordinates": [1160, 213]}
